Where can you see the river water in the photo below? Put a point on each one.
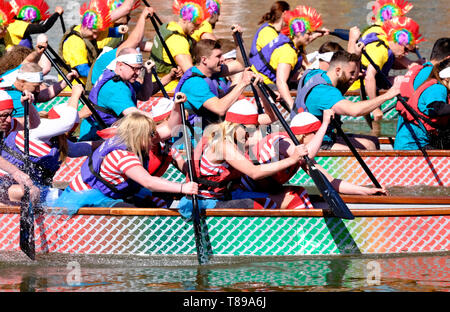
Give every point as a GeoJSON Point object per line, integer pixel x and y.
{"type": "Point", "coordinates": [54, 273]}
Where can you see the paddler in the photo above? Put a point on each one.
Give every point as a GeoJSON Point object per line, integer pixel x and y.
{"type": "Point", "coordinates": [119, 167]}
{"type": "Point", "coordinates": [13, 180]}
{"type": "Point", "coordinates": [7, 17]}
{"type": "Point", "coordinates": [429, 126]}
{"type": "Point", "coordinates": [205, 31]}
{"type": "Point", "coordinates": [282, 58]}
{"type": "Point", "coordinates": [387, 49]}
{"type": "Point", "coordinates": [325, 91]}
{"type": "Point", "coordinates": [177, 36]}
{"type": "Point", "coordinates": [277, 145]}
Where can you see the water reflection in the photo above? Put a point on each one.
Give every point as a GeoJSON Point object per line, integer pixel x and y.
{"type": "Point", "coordinates": [422, 273]}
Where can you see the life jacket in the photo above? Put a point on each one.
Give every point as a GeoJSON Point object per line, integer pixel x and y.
{"type": "Point", "coordinates": [261, 59]}
{"type": "Point", "coordinates": [106, 114]}
{"type": "Point", "coordinates": [265, 152]}
{"type": "Point", "coordinates": [91, 168]}
{"type": "Point", "coordinates": [91, 46]}
{"type": "Point", "coordinates": [217, 86]}
{"type": "Point", "coordinates": [431, 124]}
{"type": "Point", "coordinates": [42, 169]}
{"type": "Point", "coordinates": [303, 91]}
{"type": "Point", "coordinates": [372, 38]}
{"type": "Point", "coordinates": [160, 160]}
{"type": "Point", "coordinates": [158, 50]}
{"type": "Point", "coordinates": [215, 186]}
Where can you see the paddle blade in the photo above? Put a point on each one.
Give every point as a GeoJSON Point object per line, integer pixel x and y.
{"type": "Point", "coordinates": [27, 227]}
{"type": "Point", "coordinates": [337, 205]}
{"type": "Point", "coordinates": [341, 33]}
{"type": "Point", "coordinates": [202, 241]}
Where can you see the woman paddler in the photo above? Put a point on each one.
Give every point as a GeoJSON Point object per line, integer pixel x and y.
{"type": "Point", "coordinates": [279, 60]}
{"type": "Point", "coordinates": [49, 146]}
{"type": "Point", "coordinates": [117, 170]}
{"type": "Point", "coordinates": [278, 145]}
{"type": "Point", "coordinates": [220, 158]}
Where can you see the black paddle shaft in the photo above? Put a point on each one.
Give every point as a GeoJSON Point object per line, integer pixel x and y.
{"type": "Point", "coordinates": [337, 205]}
{"type": "Point", "coordinates": [166, 48]}
{"type": "Point", "coordinates": [83, 98]}
{"type": "Point", "coordinates": [200, 229]}
{"type": "Point", "coordinates": [63, 25]}
{"type": "Point", "coordinates": [27, 243]}
{"type": "Point", "coordinates": [160, 84]}
{"type": "Point", "coordinates": [156, 16]}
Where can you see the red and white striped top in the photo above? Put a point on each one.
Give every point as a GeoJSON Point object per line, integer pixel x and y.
{"type": "Point", "coordinates": [268, 150]}
{"type": "Point", "coordinates": [208, 168]}
{"type": "Point", "coordinates": [37, 147]}
{"type": "Point", "coordinates": [113, 169]}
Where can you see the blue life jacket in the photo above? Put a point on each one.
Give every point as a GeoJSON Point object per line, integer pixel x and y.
{"type": "Point", "coordinates": [217, 86]}
{"type": "Point", "coordinates": [91, 168]}
{"type": "Point", "coordinates": [106, 114]}
{"type": "Point", "coordinates": [303, 91]}
{"type": "Point", "coordinates": [42, 169]}
{"type": "Point", "coordinates": [261, 59]}
{"type": "Point", "coordinates": [371, 38]}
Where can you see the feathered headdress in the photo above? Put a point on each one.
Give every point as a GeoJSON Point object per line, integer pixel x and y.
{"type": "Point", "coordinates": [213, 6]}
{"type": "Point", "coordinates": [6, 13]}
{"type": "Point", "coordinates": [30, 10]}
{"type": "Point", "coordinates": [301, 20]}
{"type": "Point", "coordinates": [402, 30]}
{"type": "Point", "coordinates": [95, 15]}
{"type": "Point", "coordinates": [191, 10]}
{"type": "Point", "coordinates": [384, 10]}
{"type": "Point", "coordinates": [114, 4]}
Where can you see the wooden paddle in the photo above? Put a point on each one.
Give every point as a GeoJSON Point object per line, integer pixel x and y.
{"type": "Point", "coordinates": [331, 196]}
{"type": "Point", "coordinates": [27, 244]}
{"type": "Point", "coordinates": [83, 98]}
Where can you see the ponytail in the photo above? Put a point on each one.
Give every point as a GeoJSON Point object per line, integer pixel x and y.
{"type": "Point", "coordinates": [275, 12]}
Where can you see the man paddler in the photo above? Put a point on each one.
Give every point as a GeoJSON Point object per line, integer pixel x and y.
{"type": "Point", "coordinates": [177, 36]}
{"type": "Point", "coordinates": [116, 92]}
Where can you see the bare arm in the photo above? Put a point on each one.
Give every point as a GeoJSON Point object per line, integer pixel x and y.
{"type": "Point", "coordinates": [283, 72]}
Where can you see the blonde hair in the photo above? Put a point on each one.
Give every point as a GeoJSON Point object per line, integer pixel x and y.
{"type": "Point", "coordinates": [134, 131]}
{"type": "Point", "coordinates": [220, 133]}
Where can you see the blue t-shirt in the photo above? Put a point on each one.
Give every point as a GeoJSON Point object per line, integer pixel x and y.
{"type": "Point", "coordinates": [404, 140]}
{"type": "Point", "coordinates": [323, 97]}
{"type": "Point", "coordinates": [19, 111]}
{"type": "Point", "coordinates": [113, 95]}
{"type": "Point", "coordinates": [197, 91]}
{"type": "Point", "coordinates": [423, 75]}
{"type": "Point", "coordinates": [100, 64]}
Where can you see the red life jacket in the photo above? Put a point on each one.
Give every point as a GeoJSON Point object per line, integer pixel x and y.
{"type": "Point", "coordinates": [159, 160]}
{"type": "Point", "coordinates": [262, 153]}
{"type": "Point", "coordinates": [412, 96]}
{"type": "Point", "coordinates": [212, 186]}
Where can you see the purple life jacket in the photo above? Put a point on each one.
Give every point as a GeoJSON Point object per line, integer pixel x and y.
{"type": "Point", "coordinates": [26, 42]}
{"type": "Point", "coordinates": [303, 91]}
{"type": "Point", "coordinates": [217, 86]}
{"type": "Point", "coordinates": [91, 168]}
{"type": "Point", "coordinates": [106, 114]}
{"type": "Point", "coordinates": [42, 169]}
{"type": "Point", "coordinates": [371, 38]}
{"type": "Point", "coordinates": [261, 59]}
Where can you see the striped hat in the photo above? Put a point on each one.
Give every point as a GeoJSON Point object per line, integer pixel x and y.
{"type": "Point", "coordinates": [162, 109]}
{"type": "Point", "coordinates": [304, 123]}
{"type": "Point", "coordinates": [242, 112]}
{"type": "Point", "coordinates": [6, 101]}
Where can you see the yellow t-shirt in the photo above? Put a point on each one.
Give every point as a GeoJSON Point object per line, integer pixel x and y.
{"type": "Point", "coordinates": [15, 33]}
{"type": "Point", "coordinates": [205, 27]}
{"type": "Point", "coordinates": [379, 54]}
{"type": "Point", "coordinates": [282, 55]}
{"type": "Point", "coordinates": [177, 45]}
{"type": "Point", "coordinates": [75, 53]}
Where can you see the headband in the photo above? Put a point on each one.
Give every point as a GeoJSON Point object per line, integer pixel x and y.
{"type": "Point", "coordinates": [445, 73]}
{"type": "Point", "coordinates": [130, 59]}
{"type": "Point", "coordinates": [325, 56]}
{"type": "Point", "coordinates": [230, 55]}
{"type": "Point", "coordinates": [34, 77]}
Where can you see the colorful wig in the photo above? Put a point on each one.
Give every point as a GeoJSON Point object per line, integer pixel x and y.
{"type": "Point", "coordinates": [6, 13]}
{"type": "Point", "coordinates": [95, 15]}
{"type": "Point", "coordinates": [194, 11]}
{"type": "Point", "coordinates": [30, 10]}
{"type": "Point", "coordinates": [402, 30]}
{"type": "Point", "coordinates": [114, 4]}
{"type": "Point", "coordinates": [213, 6]}
{"type": "Point", "coordinates": [385, 10]}
{"type": "Point", "coordinates": [301, 20]}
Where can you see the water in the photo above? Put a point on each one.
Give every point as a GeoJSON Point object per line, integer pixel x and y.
{"type": "Point", "coordinates": [107, 273]}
